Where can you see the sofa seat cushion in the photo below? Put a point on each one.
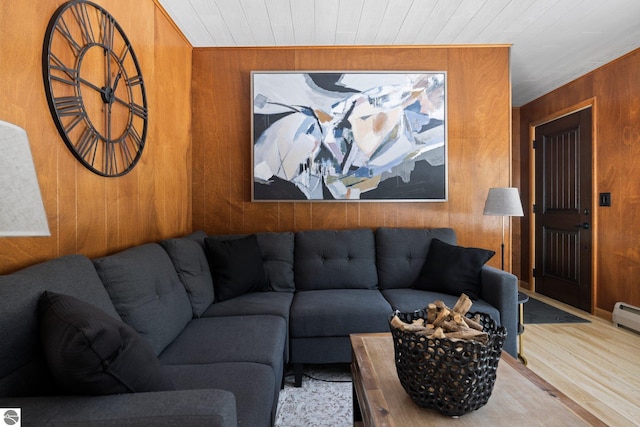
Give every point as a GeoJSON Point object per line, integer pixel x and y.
{"type": "Point", "coordinates": [338, 312]}
{"type": "Point", "coordinates": [90, 352]}
{"type": "Point", "coordinates": [251, 383]}
{"type": "Point", "coordinates": [146, 291]}
{"type": "Point", "coordinates": [328, 259]}
{"type": "Point", "coordinates": [190, 261]}
{"type": "Point", "coordinates": [269, 303]}
{"type": "Point", "coordinates": [23, 369]}
{"type": "Point", "coordinates": [409, 300]}
{"type": "Point", "coordinates": [401, 253]}
{"type": "Point", "coordinates": [259, 339]}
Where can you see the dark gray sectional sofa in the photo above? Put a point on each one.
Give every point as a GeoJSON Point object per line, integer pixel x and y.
{"type": "Point", "coordinates": [215, 339]}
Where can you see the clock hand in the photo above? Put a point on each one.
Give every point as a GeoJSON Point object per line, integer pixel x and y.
{"type": "Point", "coordinates": [109, 122]}
{"type": "Point", "coordinates": [117, 80]}
{"type": "Point", "coordinates": [127, 104]}
{"type": "Point", "coordinates": [134, 108]}
{"type": "Point", "coordinates": [91, 85]}
{"type": "Point", "coordinates": [107, 54]}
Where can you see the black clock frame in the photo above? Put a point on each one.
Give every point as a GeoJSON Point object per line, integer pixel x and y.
{"type": "Point", "coordinates": [105, 155]}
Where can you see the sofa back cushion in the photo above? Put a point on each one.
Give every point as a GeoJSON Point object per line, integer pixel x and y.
{"type": "Point", "coordinates": [277, 257]}
{"type": "Point", "coordinates": [277, 254]}
{"type": "Point", "coordinates": [190, 262]}
{"type": "Point", "coordinates": [23, 369]}
{"type": "Point", "coordinates": [147, 293]}
{"type": "Point", "coordinates": [401, 253]}
{"type": "Point", "coordinates": [329, 259]}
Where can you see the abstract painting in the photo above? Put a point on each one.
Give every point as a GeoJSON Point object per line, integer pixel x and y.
{"type": "Point", "coordinates": [351, 136]}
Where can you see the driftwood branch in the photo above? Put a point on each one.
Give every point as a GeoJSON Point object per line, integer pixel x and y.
{"type": "Point", "coordinates": [444, 322]}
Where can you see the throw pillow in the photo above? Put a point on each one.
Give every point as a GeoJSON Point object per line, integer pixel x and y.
{"type": "Point", "coordinates": [452, 269]}
{"type": "Point", "coordinates": [236, 266]}
{"type": "Point", "coordinates": [90, 352]}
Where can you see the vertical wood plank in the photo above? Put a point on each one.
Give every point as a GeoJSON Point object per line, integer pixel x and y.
{"type": "Point", "coordinates": [172, 174]}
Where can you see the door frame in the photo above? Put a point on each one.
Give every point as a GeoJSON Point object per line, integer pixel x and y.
{"type": "Point", "coordinates": [588, 103]}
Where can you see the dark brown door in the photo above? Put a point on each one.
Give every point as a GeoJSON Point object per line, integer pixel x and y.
{"type": "Point", "coordinates": [563, 209]}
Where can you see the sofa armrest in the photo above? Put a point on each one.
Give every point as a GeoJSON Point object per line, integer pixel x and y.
{"type": "Point", "coordinates": [500, 289]}
{"type": "Point", "coordinates": [209, 407]}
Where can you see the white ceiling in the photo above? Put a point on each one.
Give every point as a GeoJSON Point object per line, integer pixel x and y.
{"type": "Point", "coordinates": [553, 41]}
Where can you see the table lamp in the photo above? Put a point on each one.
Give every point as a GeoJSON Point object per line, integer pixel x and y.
{"type": "Point", "coordinates": [503, 202]}
{"type": "Point", "coordinates": [21, 208]}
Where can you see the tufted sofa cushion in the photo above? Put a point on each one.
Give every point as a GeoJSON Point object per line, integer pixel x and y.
{"type": "Point", "coordinates": [401, 253]}
{"type": "Point", "coordinates": [329, 259]}
{"type": "Point", "coordinates": [147, 293]}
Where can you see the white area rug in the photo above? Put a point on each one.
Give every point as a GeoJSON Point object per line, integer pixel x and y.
{"type": "Point", "coordinates": [325, 398]}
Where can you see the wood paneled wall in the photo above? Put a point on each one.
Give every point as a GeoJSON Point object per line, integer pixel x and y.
{"type": "Point", "coordinates": [614, 90]}
{"type": "Point", "coordinates": [87, 213]}
{"type": "Point", "coordinates": [479, 138]}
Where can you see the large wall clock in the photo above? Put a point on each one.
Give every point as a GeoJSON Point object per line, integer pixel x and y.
{"type": "Point", "coordinates": [95, 88]}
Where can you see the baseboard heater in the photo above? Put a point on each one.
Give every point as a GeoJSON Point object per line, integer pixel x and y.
{"type": "Point", "coordinates": [627, 316]}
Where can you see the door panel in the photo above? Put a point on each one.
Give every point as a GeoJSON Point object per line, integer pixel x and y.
{"type": "Point", "coordinates": [563, 205]}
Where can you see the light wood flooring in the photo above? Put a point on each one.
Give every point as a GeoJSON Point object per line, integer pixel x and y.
{"type": "Point", "coordinates": [596, 364]}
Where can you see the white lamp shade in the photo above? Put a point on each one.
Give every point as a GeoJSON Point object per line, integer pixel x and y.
{"type": "Point", "coordinates": [21, 208]}
{"type": "Point", "coordinates": [503, 202]}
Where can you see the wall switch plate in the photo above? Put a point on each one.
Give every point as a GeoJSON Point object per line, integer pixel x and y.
{"type": "Point", "coordinates": [605, 199]}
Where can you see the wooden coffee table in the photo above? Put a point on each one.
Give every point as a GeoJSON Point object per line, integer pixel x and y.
{"type": "Point", "coordinates": [519, 397]}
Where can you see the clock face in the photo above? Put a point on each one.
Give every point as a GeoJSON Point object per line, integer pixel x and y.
{"type": "Point", "coordinates": [95, 88]}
